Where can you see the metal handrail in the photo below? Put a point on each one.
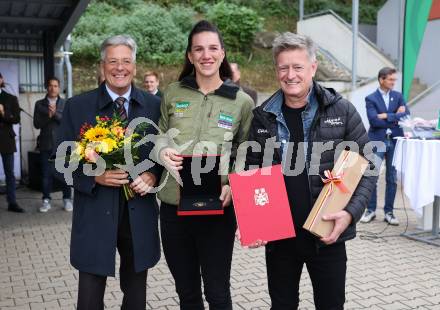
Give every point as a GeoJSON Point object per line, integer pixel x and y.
{"type": "Point", "coordinates": [338, 17]}
{"type": "Point", "coordinates": [423, 94]}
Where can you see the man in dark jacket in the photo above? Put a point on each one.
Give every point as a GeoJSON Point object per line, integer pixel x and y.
{"type": "Point", "coordinates": [151, 83]}
{"type": "Point", "coordinates": [9, 115]}
{"type": "Point", "coordinates": [102, 218]}
{"type": "Point", "coordinates": [309, 124]}
{"type": "Point", "coordinates": [47, 117]}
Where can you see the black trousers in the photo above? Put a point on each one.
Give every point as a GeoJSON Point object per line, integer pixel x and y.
{"type": "Point", "coordinates": [198, 247]}
{"type": "Point", "coordinates": [133, 285]}
{"type": "Point", "coordinates": [326, 266]}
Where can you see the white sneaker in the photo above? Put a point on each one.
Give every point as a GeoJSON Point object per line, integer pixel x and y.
{"type": "Point", "coordinates": [68, 206]}
{"type": "Point", "coordinates": [46, 206]}
{"type": "Point", "coordinates": [391, 219]}
{"type": "Point", "coordinates": [368, 216]}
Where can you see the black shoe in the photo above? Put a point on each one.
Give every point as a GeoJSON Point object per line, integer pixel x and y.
{"type": "Point", "coordinates": [13, 207]}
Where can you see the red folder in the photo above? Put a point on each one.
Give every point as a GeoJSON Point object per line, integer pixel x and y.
{"type": "Point", "coordinates": [261, 205]}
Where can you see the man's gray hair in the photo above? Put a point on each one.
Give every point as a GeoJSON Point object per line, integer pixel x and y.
{"type": "Point", "coordinates": [292, 41]}
{"type": "Point", "coordinates": [122, 39]}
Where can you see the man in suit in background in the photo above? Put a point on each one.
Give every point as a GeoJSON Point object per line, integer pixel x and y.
{"type": "Point", "coordinates": [47, 117]}
{"type": "Point", "coordinates": [102, 218]}
{"type": "Point", "coordinates": [385, 107]}
{"type": "Point", "coordinates": [151, 83]}
{"type": "Point", "coordinates": [9, 115]}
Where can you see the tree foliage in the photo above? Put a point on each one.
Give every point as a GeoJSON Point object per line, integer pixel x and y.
{"type": "Point", "coordinates": [238, 24]}
{"type": "Point", "coordinates": [159, 33]}
{"type": "Point", "coordinates": [160, 28]}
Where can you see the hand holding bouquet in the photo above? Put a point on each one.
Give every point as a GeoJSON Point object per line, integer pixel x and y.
{"type": "Point", "coordinates": [107, 141]}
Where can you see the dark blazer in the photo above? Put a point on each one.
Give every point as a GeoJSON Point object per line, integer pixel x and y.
{"type": "Point", "coordinates": [47, 125]}
{"type": "Point", "coordinates": [11, 116]}
{"type": "Point", "coordinates": [375, 105]}
{"type": "Point", "coordinates": [95, 211]}
{"type": "Point", "coordinates": [159, 93]}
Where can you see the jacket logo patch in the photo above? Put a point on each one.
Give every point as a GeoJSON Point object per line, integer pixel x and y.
{"type": "Point", "coordinates": [181, 107]}
{"type": "Point", "coordinates": [334, 121]}
{"type": "Point", "coordinates": [262, 130]}
{"type": "Point", "coordinates": [225, 121]}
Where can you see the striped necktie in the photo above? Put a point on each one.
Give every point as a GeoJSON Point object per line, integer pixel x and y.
{"type": "Point", "coordinates": [120, 109]}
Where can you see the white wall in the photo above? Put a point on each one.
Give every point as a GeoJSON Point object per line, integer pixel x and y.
{"type": "Point", "coordinates": [428, 107]}
{"type": "Point", "coordinates": [357, 97]}
{"type": "Point", "coordinates": [28, 133]}
{"type": "Point", "coordinates": [335, 37]}
{"type": "Point", "coordinates": [428, 63]}
{"type": "Point", "coordinates": [388, 28]}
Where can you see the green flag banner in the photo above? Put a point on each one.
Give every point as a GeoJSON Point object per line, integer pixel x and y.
{"type": "Point", "coordinates": [416, 18]}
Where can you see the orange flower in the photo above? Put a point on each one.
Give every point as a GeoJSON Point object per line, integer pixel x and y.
{"type": "Point", "coordinates": [118, 131]}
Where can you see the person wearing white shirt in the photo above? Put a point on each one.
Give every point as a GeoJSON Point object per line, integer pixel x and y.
{"type": "Point", "coordinates": [151, 83]}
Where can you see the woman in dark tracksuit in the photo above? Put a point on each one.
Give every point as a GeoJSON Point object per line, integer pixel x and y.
{"type": "Point", "coordinates": [200, 247]}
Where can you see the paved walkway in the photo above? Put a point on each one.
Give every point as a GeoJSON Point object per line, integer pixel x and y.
{"type": "Point", "coordinates": [385, 270]}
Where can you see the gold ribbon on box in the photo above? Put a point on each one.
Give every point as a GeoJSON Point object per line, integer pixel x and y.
{"type": "Point", "coordinates": [332, 180]}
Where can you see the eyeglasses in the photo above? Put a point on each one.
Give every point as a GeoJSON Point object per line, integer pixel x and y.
{"type": "Point", "coordinates": [116, 62]}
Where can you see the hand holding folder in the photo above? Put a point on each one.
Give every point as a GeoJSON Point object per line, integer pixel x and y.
{"type": "Point", "coordinates": [254, 245]}
{"type": "Point", "coordinates": [261, 206]}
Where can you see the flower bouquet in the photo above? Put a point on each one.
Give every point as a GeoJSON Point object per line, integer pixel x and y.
{"type": "Point", "coordinates": [106, 140]}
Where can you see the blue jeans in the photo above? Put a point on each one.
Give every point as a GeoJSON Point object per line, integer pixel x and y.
{"type": "Point", "coordinates": [8, 167]}
{"type": "Point", "coordinates": [390, 177]}
{"type": "Point", "coordinates": [47, 177]}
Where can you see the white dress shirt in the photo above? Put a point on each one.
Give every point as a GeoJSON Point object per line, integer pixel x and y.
{"type": "Point", "coordinates": [386, 99]}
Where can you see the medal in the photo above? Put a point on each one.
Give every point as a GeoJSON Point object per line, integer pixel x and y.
{"type": "Point", "coordinates": [199, 204]}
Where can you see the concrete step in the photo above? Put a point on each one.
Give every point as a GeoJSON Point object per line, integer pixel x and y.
{"type": "Point", "coordinates": [417, 87]}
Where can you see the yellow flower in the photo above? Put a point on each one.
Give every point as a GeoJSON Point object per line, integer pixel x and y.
{"type": "Point", "coordinates": [79, 150]}
{"type": "Point", "coordinates": [96, 133]}
{"type": "Point", "coordinates": [106, 146]}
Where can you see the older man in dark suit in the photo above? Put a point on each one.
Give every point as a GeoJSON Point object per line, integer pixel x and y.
{"type": "Point", "coordinates": [9, 115]}
{"type": "Point", "coordinates": [102, 219]}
